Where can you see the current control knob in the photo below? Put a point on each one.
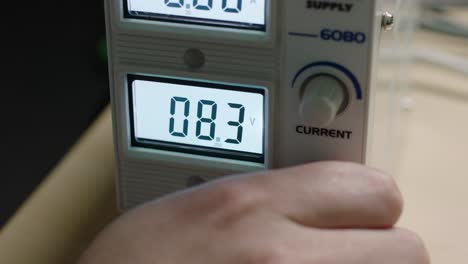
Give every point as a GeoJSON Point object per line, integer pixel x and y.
{"type": "Point", "coordinates": [323, 98]}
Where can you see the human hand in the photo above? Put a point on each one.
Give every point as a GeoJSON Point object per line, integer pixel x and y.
{"type": "Point", "coordinates": [326, 212]}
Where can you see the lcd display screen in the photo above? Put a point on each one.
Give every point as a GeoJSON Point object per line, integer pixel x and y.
{"type": "Point", "coordinates": [249, 14]}
{"type": "Point", "coordinates": [196, 117]}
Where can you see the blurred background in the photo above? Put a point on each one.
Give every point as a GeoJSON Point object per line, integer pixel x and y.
{"type": "Point", "coordinates": [56, 85]}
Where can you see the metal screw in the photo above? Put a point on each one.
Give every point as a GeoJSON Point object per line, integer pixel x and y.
{"type": "Point", "coordinates": [388, 21]}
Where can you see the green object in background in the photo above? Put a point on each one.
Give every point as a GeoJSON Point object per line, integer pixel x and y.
{"type": "Point", "coordinates": [102, 50]}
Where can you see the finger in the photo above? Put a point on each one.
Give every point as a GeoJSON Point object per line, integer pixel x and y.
{"type": "Point", "coordinates": [357, 247]}
{"type": "Point", "coordinates": [330, 195]}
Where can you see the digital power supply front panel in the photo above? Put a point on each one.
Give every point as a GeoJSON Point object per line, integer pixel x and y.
{"type": "Point", "coordinates": [209, 88]}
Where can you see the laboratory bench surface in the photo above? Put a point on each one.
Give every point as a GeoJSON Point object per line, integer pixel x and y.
{"type": "Point", "coordinates": [78, 198]}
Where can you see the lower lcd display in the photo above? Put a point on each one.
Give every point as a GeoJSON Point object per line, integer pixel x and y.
{"type": "Point", "coordinates": [198, 117]}
{"type": "Point", "coordinates": [249, 14]}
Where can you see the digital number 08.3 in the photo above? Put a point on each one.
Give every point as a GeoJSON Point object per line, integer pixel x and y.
{"type": "Point", "coordinates": [204, 119]}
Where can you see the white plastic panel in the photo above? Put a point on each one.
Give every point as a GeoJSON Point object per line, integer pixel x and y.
{"type": "Point", "coordinates": [333, 39]}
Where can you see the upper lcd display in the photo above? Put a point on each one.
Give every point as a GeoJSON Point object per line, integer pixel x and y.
{"type": "Point", "coordinates": [248, 14]}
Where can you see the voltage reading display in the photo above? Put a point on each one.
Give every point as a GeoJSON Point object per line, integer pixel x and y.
{"type": "Point", "coordinates": [201, 115]}
{"type": "Point", "coordinates": [209, 120]}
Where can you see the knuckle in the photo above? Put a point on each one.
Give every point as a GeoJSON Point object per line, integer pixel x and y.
{"type": "Point", "coordinates": [234, 201]}
{"type": "Point", "coordinates": [231, 194]}
{"type": "Point", "coordinates": [214, 198]}
{"type": "Point", "coordinates": [414, 247]}
{"type": "Point", "coordinates": [378, 186]}
{"type": "Point", "coordinates": [388, 195]}
{"type": "Point", "coordinates": [272, 255]}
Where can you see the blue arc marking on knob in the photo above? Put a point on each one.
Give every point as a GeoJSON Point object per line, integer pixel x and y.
{"type": "Point", "coordinates": [344, 70]}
